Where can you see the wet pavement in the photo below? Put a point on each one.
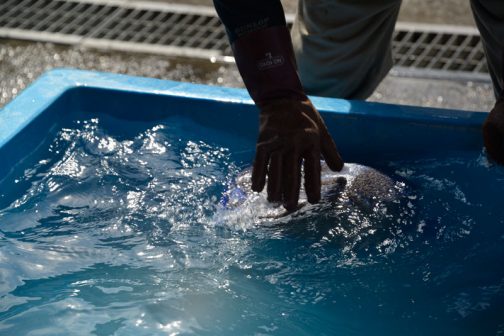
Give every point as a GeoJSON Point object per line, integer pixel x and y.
{"type": "Point", "coordinates": [22, 62]}
{"type": "Point", "coordinates": [450, 12]}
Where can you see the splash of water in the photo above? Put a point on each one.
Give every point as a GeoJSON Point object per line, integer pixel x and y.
{"type": "Point", "coordinates": [121, 228]}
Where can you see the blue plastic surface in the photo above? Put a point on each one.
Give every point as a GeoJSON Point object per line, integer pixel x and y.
{"type": "Point", "coordinates": [363, 131]}
{"type": "Point", "coordinates": [429, 265]}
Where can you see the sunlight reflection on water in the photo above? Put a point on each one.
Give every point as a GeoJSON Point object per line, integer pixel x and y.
{"type": "Point", "coordinates": [128, 233]}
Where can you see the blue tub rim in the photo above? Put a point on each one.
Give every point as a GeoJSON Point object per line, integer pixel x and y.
{"type": "Point", "coordinates": [45, 90]}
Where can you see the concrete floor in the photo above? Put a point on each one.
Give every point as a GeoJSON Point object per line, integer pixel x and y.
{"type": "Point", "coordinates": [22, 62]}
{"type": "Point", "coordinates": [452, 12]}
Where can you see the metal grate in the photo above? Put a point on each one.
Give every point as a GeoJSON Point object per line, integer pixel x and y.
{"type": "Point", "coordinates": [419, 50]}
{"type": "Point", "coordinates": [453, 51]}
{"type": "Point", "coordinates": [63, 17]}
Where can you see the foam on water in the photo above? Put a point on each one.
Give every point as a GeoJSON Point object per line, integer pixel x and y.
{"type": "Point", "coordinates": [119, 229]}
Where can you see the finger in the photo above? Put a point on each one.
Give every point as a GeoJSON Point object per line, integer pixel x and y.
{"type": "Point", "coordinates": [275, 177]}
{"type": "Point", "coordinates": [259, 168]}
{"type": "Point", "coordinates": [312, 175]}
{"type": "Point", "coordinates": [494, 142]}
{"type": "Point", "coordinates": [330, 151]}
{"type": "Point", "coordinates": [291, 180]}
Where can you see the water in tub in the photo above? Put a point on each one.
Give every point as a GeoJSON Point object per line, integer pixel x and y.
{"type": "Point", "coordinates": [134, 228]}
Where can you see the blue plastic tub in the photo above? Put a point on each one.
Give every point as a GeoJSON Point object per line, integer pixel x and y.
{"type": "Point", "coordinates": [363, 131]}
{"type": "Point", "coordinates": [434, 270]}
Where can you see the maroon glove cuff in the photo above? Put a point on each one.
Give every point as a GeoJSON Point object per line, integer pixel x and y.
{"type": "Point", "coordinates": [267, 65]}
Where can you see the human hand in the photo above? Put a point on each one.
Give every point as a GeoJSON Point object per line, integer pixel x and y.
{"type": "Point", "coordinates": [290, 132]}
{"type": "Point", "coordinates": [493, 132]}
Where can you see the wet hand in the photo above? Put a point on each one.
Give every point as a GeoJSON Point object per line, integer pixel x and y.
{"type": "Point", "coordinates": [292, 133]}
{"type": "Point", "coordinates": [493, 133]}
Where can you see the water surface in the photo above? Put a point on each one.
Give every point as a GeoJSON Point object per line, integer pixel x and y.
{"type": "Point", "coordinates": [118, 229]}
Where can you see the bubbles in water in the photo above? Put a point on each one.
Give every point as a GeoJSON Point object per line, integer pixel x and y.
{"type": "Point", "coordinates": [363, 213]}
{"type": "Point", "coordinates": [150, 228]}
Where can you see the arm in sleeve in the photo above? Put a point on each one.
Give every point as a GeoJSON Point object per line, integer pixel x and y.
{"type": "Point", "coordinates": [245, 16]}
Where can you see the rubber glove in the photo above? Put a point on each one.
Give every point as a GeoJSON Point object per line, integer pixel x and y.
{"type": "Point", "coordinates": [493, 132]}
{"type": "Point", "coordinates": [291, 131]}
